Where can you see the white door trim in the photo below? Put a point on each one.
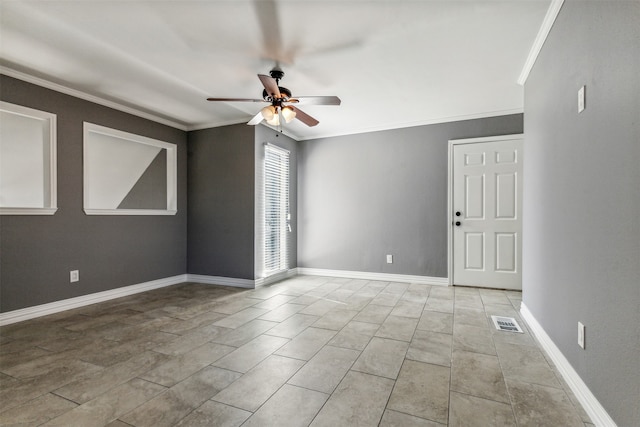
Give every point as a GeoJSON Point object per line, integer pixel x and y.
{"type": "Point", "coordinates": [452, 143]}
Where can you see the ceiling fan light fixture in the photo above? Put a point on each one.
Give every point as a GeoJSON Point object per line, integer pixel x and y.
{"type": "Point", "coordinates": [288, 113]}
{"type": "Point", "coordinates": [275, 120]}
{"type": "Point", "coordinates": [269, 112]}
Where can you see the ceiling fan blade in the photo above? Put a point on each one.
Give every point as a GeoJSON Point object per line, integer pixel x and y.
{"type": "Point", "coordinates": [267, 14]}
{"type": "Point", "coordinates": [270, 85]}
{"type": "Point", "coordinates": [235, 100]}
{"type": "Point", "coordinates": [256, 119]}
{"type": "Point", "coordinates": [304, 117]}
{"type": "Point", "coordinates": [316, 100]}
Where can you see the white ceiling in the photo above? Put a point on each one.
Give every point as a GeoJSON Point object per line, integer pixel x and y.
{"type": "Point", "coordinates": [393, 63]}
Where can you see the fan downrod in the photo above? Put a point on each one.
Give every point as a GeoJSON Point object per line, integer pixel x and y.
{"type": "Point", "coordinates": [277, 74]}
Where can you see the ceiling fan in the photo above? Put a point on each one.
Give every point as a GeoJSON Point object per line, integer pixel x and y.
{"type": "Point", "coordinates": [280, 101]}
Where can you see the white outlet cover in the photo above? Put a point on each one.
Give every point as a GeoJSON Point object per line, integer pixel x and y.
{"type": "Point", "coordinates": [389, 259]}
{"type": "Point", "coordinates": [74, 276]}
{"type": "Point", "coordinates": [580, 334]}
{"type": "Point", "coordinates": [581, 99]}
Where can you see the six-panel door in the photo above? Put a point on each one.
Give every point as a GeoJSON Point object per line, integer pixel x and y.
{"type": "Point", "coordinates": [487, 220]}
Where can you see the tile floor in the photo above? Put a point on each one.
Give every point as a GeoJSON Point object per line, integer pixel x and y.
{"type": "Point", "coordinates": [306, 351]}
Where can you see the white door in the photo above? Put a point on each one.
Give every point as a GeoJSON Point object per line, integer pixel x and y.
{"type": "Point", "coordinates": [486, 212]}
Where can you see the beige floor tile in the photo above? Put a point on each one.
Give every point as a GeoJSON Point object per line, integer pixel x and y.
{"type": "Point", "coordinates": [382, 357]}
{"type": "Point", "coordinates": [422, 390]}
{"type": "Point", "coordinates": [387, 299]}
{"type": "Point", "coordinates": [526, 364]}
{"type": "Point", "coordinates": [36, 411]}
{"type": "Point", "coordinates": [233, 306]}
{"type": "Point", "coordinates": [442, 292]}
{"type": "Point", "coordinates": [322, 307]}
{"type": "Point", "coordinates": [183, 343]}
{"type": "Point", "coordinates": [373, 314]}
{"type": "Point", "coordinates": [356, 335]}
{"type": "Point", "coordinates": [180, 367]}
{"type": "Point", "coordinates": [283, 312]}
{"type": "Point", "coordinates": [154, 358]}
{"type": "Point", "coordinates": [439, 304]}
{"type": "Point", "coordinates": [470, 338]}
{"type": "Point", "coordinates": [408, 309]}
{"type": "Point", "coordinates": [109, 406]}
{"type": "Point", "coordinates": [335, 319]}
{"type": "Point", "coordinates": [273, 302]}
{"type": "Point", "coordinates": [490, 296]}
{"type": "Point", "coordinates": [91, 386]}
{"type": "Point", "coordinates": [174, 404]}
{"type": "Point", "coordinates": [356, 302]}
{"type": "Point", "coordinates": [290, 406]}
{"type": "Point", "coordinates": [468, 300]}
{"type": "Point", "coordinates": [250, 354]}
{"type": "Point", "coordinates": [245, 333]}
{"type": "Point", "coordinates": [430, 347]}
{"type": "Point", "coordinates": [306, 344]}
{"type": "Point", "coordinates": [468, 411]}
{"type": "Point", "coordinates": [537, 405]}
{"type": "Point", "coordinates": [397, 328]}
{"type": "Point", "coordinates": [470, 317]}
{"type": "Point", "coordinates": [240, 318]}
{"type": "Point", "coordinates": [435, 321]}
{"type": "Point", "coordinates": [215, 414]}
{"type": "Point", "coordinates": [396, 288]}
{"type": "Point", "coordinates": [326, 369]}
{"type": "Point", "coordinates": [185, 326]}
{"type": "Point", "coordinates": [398, 419]}
{"type": "Point", "coordinates": [478, 375]}
{"type": "Point", "coordinates": [251, 390]}
{"type": "Point", "coordinates": [293, 325]}
{"type": "Point", "coordinates": [359, 400]}
{"type": "Point", "coordinates": [23, 391]}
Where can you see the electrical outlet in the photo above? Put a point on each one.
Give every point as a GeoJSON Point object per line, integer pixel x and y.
{"type": "Point", "coordinates": [74, 276]}
{"type": "Point", "coordinates": [580, 334]}
{"type": "Point", "coordinates": [581, 100]}
{"type": "Point", "coordinates": [389, 259]}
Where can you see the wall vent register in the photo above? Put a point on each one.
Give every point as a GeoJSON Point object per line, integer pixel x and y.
{"type": "Point", "coordinates": [508, 324]}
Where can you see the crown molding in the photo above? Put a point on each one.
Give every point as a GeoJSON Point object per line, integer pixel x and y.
{"type": "Point", "coordinates": [543, 32]}
{"type": "Point", "coordinates": [88, 97]}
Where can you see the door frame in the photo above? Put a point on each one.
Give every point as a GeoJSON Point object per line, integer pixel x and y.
{"type": "Point", "coordinates": [452, 143]}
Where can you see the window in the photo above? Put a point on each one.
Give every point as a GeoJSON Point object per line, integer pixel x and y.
{"type": "Point", "coordinates": [276, 209]}
{"type": "Point", "coordinates": [127, 174]}
{"type": "Point", "coordinates": [27, 161]}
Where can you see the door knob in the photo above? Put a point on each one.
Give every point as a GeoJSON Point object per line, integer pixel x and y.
{"type": "Point", "coordinates": [458, 213]}
{"type": "Point", "coordinates": [458, 223]}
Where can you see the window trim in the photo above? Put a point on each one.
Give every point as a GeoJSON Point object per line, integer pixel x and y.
{"type": "Point", "coordinates": [172, 170]}
{"type": "Point", "coordinates": [50, 203]}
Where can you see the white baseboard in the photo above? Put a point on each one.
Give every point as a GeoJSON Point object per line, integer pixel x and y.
{"type": "Point", "coordinates": [222, 281]}
{"type": "Point", "coordinates": [68, 304]}
{"type": "Point", "coordinates": [385, 277]}
{"type": "Point", "coordinates": [240, 283]}
{"type": "Point", "coordinates": [276, 277]}
{"type": "Point", "coordinates": [593, 408]}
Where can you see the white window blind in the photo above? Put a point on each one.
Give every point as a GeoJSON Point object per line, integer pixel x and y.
{"type": "Point", "coordinates": [276, 209]}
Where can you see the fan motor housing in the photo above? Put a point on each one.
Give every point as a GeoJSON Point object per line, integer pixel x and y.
{"type": "Point", "coordinates": [286, 93]}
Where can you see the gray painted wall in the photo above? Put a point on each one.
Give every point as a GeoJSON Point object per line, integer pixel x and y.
{"type": "Point", "coordinates": [222, 201]}
{"type": "Point", "coordinates": [37, 252]}
{"type": "Point", "coordinates": [582, 197]}
{"type": "Point", "coordinates": [363, 196]}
